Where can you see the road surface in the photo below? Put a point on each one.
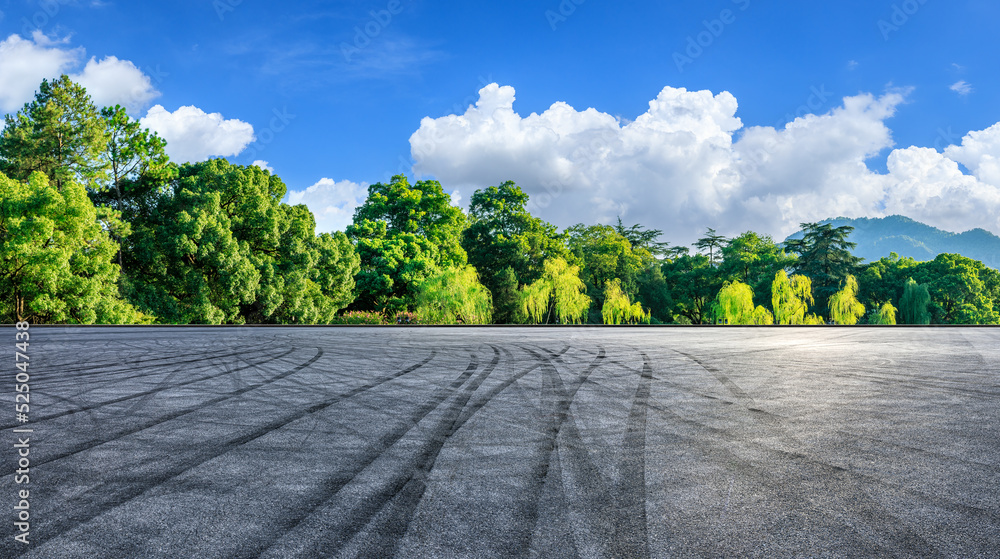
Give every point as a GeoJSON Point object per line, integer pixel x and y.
{"type": "Point", "coordinates": [508, 442]}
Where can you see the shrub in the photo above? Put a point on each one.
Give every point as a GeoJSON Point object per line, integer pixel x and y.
{"type": "Point", "coordinates": [360, 317]}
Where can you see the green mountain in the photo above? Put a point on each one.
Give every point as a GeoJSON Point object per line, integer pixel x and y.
{"type": "Point", "coordinates": [877, 237]}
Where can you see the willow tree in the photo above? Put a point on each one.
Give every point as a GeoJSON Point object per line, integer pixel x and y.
{"type": "Point", "coordinates": [885, 315]}
{"type": "Point", "coordinates": [559, 292]}
{"type": "Point", "coordinates": [454, 295]}
{"type": "Point", "coordinates": [844, 305]}
{"type": "Point", "coordinates": [617, 308]}
{"type": "Point", "coordinates": [762, 316]}
{"type": "Point", "coordinates": [734, 305]}
{"type": "Point", "coordinates": [790, 298]}
{"type": "Point", "coordinates": [913, 305]}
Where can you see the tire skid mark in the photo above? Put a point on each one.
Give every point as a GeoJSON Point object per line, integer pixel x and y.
{"type": "Point", "coordinates": [610, 539]}
{"type": "Point", "coordinates": [731, 386]}
{"type": "Point", "coordinates": [847, 481]}
{"type": "Point", "coordinates": [541, 456]}
{"type": "Point", "coordinates": [564, 544]}
{"type": "Point", "coordinates": [88, 410]}
{"type": "Point", "coordinates": [111, 497]}
{"type": "Point", "coordinates": [105, 377]}
{"type": "Point", "coordinates": [146, 393]}
{"type": "Point", "coordinates": [940, 386]}
{"type": "Point", "coordinates": [67, 373]}
{"type": "Point", "coordinates": [631, 491]}
{"type": "Point", "coordinates": [403, 493]}
{"type": "Point", "coordinates": [869, 509]}
{"type": "Point", "coordinates": [136, 427]}
{"type": "Point", "coordinates": [604, 534]}
{"type": "Point", "coordinates": [344, 476]}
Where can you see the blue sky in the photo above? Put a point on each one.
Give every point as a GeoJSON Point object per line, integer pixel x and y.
{"type": "Point", "coordinates": [334, 91]}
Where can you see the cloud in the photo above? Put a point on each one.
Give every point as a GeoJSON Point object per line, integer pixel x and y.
{"type": "Point", "coordinates": [263, 165]}
{"type": "Point", "coordinates": [980, 153]}
{"type": "Point", "coordinates": [687, 163]}
{"type": "Point", "coordinates": [117, 82]}
{"type": "Point", "coordinates": [24, 63]}
{"type": "Point", "coordinates": [331, 202]}
{"type": "Point", "coordinates": [961, 87]}
{"type": "Point", "coordinates": [194, 135]}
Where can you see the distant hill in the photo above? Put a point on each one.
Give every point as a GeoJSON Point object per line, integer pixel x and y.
{"type": "Point", "coordinates": [877, 237]}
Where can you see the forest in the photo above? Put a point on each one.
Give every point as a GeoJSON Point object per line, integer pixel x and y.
{"type": "Point", "coordinates": [98, 226]}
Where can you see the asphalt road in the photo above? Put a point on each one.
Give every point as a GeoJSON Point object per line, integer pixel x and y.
{"type": "Point", "coordinates": [507, 442]}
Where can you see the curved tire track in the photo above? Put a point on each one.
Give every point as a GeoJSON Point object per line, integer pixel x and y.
{"type": "Point", "coordinates": [107, 496]}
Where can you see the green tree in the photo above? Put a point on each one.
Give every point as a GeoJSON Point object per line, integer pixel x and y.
{"type": "Point", "coordinates": [754, 260]}
{"type": "Point", "coordinates": [606, 255]}
{"type": "Point", "coordinates": [618, 309]}
{"type": "Point", "coordinates": [506, 297]}
{"type": "Point", "coordinates": [55, 257]}
{"type": "Point", "coordinates": [640, 237]}
{"type": "Point", "coordinates": [403, 235]}
{"type": "Point", "coordinates": [914, 302]}
{"type": "Point", "coordinates": [138, 170]}
{"type": "Point", "coordinates": [559, 292]}
{"type": "Point", "coordinates": [734, 305]}
{"type": "Point", "coordinates": [454, 296]}
{"type": "Point", "coordinates": [762, 316]}
{"type": "Point", "coordinates": [885, 315]}
{"type": "Point", "coordinates": [882, 281]}
{"type": "Point", "coordinates": [654, 294]}
{"type": "Point", "coordinates": [844, 305]}
{"type": "Point", "coordinates": [790, 298]}
{"type": "Point", "coordinates": [693, 284]}
{"type": "Point", "coordinates": [825, 257]}
{"type": "Point", "coordinates": [963, 291]}
{"type": "Point", "coordinates": [503, 238]}
{"type": "Point", "coordinates": [60, 133]}
{"type": "Point", "coordinates": [713, 243]}
{"type": "Point", "coordinates": [222, 248]}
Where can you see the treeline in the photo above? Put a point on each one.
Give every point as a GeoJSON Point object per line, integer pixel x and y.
{"type": "Point", "coordinates": [97, 225]}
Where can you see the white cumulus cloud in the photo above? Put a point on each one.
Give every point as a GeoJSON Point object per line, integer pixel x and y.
{"type": "Point", "coordinates": [194, 135]}
{"type": "Point", "coordinates": [331, 202]}
{"type": "Point", "coordinates": [263, 165]}
{"type": "Point", "coordinates": [687, 163]}
{"type": "Point", "coordinates": [111, 81]}
{"type": "Point", "coordinates": [24, 63]}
